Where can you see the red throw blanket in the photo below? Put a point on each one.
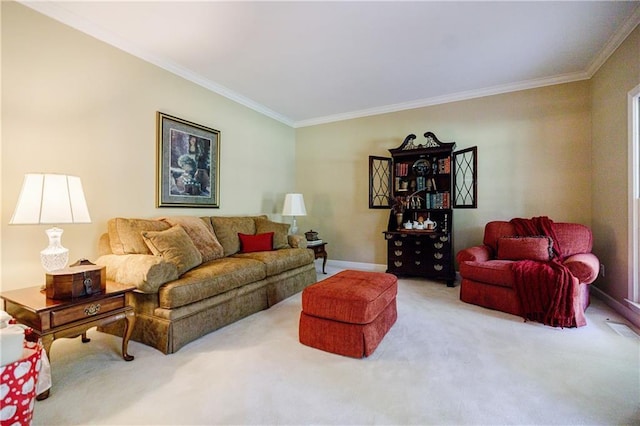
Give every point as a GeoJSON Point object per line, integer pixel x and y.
{"type": "Point", "coordinates": [546, 290]}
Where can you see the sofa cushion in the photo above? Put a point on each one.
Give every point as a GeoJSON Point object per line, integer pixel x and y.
{"type": "Point", "coordinates": [210, 279]}
{"type": "Point", "coordinates": [201, 233]}
{"type": "Point", "coordinates": [572, 237]}
{"type": "Point", "coordinates": [104, 246]}
{"type": "Point", "coordinates": [227, 229]}
{"type": "Point", "coordinates": [280, 232]}
{"type": "Point", "coordinates": [125, 234]}
{"type": "Point", "coordinates": [297, 241]}
{"type": "Point", "coordinates": [258, 242]}
{"type": "Point", "coordinates": [277, 261]}
{"type": "Point", "coordinates": [497, 272]}
{"type": "Point", "coordinates": [494, 230]}
{"type": "Point", "coordinates": [525, 248]}
{"type": "Point", "coordinates": [354, 297]}
{"type": "Point", "coordinates": [175, 246]}
{"type": "Point", "coordinates": [144, 271]}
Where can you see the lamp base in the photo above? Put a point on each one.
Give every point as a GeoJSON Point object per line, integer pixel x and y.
{"type": "Point", "coordinates": [54, 257]}
{"type": "Point", "coordinates": [294, 227]}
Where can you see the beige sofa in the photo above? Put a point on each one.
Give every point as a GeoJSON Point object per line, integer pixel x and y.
{"type": "Point", "coordinates": [194, 275]}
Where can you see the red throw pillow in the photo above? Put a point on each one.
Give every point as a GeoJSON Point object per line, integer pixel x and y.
{"type": "Point", "coordinates": [258, 242]}
{"type": "Point", "coordinates": [525, 248]}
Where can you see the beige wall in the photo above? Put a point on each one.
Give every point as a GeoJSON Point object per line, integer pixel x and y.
{"type": "Point", "coordinates": [72, 104]}
{"type": "Point", "coordinates": [534, 158]}
{"type": "Point", "coordinates": [610, 88]}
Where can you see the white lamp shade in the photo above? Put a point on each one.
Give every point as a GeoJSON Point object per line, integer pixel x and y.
{"type": "Point", "coordinates": [294, 205]}
{"type": "Point", "coordinates": [51, 198]}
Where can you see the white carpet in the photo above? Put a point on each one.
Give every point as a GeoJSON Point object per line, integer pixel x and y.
{"type": "Point", "coordinates": [443, 362]}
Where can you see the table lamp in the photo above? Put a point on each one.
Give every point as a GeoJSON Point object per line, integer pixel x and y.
{"type": "Point", "coordinates": [51, 199]}
{"type": "Point", "coordinates": [294, 206]}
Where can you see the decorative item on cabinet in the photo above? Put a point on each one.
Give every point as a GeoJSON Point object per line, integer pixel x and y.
{"type": "Point", "coordinates": [313, 239]}
{"type": "Point", "coordinates": [311, 235]}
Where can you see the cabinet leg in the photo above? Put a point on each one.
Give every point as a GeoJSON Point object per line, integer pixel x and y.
{"type": "Point", "coordinates": [450, 283]}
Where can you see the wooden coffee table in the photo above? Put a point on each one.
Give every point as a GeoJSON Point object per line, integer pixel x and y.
{"type": "Point", "coordinates": [51, 319]}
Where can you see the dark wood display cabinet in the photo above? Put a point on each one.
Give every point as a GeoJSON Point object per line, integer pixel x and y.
{"type": "Point", "coordinates": [426, 182]}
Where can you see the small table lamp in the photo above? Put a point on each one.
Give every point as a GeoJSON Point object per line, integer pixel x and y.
{"type": "Point", "coordinates": [51, 199]}
{"type": "Point", "coordinates": [294, 206]}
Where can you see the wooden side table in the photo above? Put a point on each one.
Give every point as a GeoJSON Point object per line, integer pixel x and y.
{"type": "Point", "coordinates": [51, 319]}
{"type": "Point", "coordinates": [320, 251]}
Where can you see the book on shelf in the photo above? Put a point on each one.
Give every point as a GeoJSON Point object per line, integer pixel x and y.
{"type": "Point", "coordinates": [438, 200]}
{"type": "Point", "coordinates": [402, 169]}
{"type": "Point", "coordinates": [314, 243]}
{"type": "Point", "coordinates": [444, 165]}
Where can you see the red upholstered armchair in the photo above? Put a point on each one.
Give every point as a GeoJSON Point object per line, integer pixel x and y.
{"type": "Point", "coordinates": [491, 279]}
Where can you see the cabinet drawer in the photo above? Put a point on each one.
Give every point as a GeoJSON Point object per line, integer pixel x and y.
{"type": "Point", "coordinates": [86, 310]}
{"type": "Point", "coordinates": [427, 255]}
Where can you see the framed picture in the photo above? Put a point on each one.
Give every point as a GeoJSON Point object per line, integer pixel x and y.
{"type": "Point", "coordinates": [188, 167]}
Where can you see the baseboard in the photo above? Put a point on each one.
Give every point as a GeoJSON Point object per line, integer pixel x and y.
{"type": "Point", "coordinates": [341, 264]}
{"type": "Point", "coordinates": [373, 267]}
{"type": "Point", "coordinates": [620, 308]}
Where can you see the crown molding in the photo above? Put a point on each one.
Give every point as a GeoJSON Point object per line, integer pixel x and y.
{"type": "Point", "coordinates": [615, 41]}
{"type": "Point", "coordinates": [63, 15]}
{"type": "Point", "coordinates": [445, 99]}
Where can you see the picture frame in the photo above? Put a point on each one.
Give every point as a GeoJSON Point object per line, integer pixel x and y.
{"type": "Point", "coordinates": [188, 163]}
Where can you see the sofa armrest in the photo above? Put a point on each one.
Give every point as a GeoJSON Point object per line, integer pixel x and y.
{"type": "Point", "coordinates": [583, 266]}
{"type": "Point", "coordinates": [297, 241]}
{"type": "Point", "coordinates": [474, 254]}
{"type": "Point", "coordinates": [145, 271]}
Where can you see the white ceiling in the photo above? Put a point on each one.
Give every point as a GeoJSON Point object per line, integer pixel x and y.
{"type": "Point", "coordinates": [306, 63]}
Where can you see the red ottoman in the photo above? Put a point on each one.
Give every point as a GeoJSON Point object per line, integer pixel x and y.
{"type": "Point", "coordinates": [349, 313]}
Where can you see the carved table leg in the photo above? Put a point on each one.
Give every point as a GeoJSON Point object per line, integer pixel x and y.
{"type": "Point", "coordinates": [47, 341]}
{"type": "Point", "coordinates": [324, 261]}
{"type": "Point", "coordinates": [44, 395]}
{"type": "Point", "coordinates": [85, 339]}
{"type": "Point", "coordinates": [130, 320]}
